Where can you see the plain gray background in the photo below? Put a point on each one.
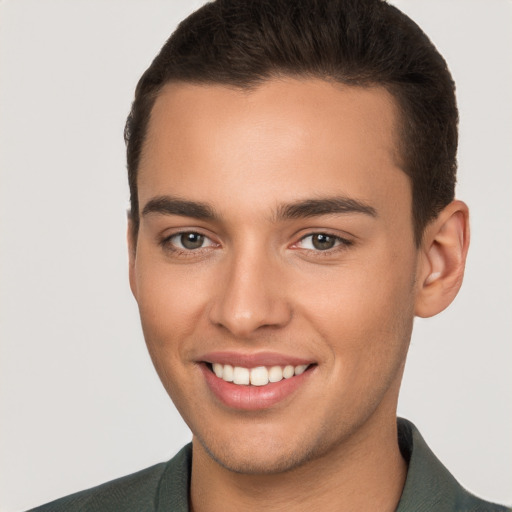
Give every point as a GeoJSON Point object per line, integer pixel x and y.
{"type": "Point", "coordinates": [79, 400]}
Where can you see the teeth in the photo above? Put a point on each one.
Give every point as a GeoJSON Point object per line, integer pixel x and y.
{"type": "Point", "coordinates": [259, 376]}
{"type": "Point", "coordinates": [241, 375]}
{"type": "Point", "coordinates": [218, 369]}
{"type": "Point", "coordinates": [228, 373]}
{"type": "Point", "coordinates": [275, 374]}
{"type": "Point", "coordinates": [300, 369]}
{"type": "Point", "coordinates": [288, 371]}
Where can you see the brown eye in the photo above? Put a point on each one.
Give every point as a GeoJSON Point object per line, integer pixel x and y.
{"type": "Point", "coordinates": [187, 243]}
{"type": "Point", "coordinates": [323, 242]}
{"type": "Point", "coordinates": [191, 240]}
{"type": "Point", "coordinates": [319, 242]}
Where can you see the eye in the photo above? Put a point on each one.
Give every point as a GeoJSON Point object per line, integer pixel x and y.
{"type": "Point", "coordinates": [321, 242]}
{"type": "Point", "coordinates": [189, 241]}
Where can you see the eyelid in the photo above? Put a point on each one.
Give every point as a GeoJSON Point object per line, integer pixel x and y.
{"type": "Point", "coordinates": [181, 233]}
{"type": "Point", "coordinates": [165, 241]}
{"type": "Point", "coordinates": [341, 241]}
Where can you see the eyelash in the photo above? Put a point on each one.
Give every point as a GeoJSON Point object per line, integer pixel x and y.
{"type": "Point", "coordinates": [340, 243]}
{"type": "Point", "coordinates": [167, 244]}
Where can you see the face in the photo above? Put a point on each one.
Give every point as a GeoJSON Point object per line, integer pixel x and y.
{"type": "Point", "coordinates": [275, 266]}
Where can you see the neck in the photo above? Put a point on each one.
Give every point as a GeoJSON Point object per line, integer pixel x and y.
{"type": "Point", "coordinates": [365, 472]}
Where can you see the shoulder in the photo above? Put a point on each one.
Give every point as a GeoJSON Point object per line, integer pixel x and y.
{"type": "Point", "coordinates": [469, 503]}
{"type": "Point", "coordinates": [137, 492]}
{"type": "Point", "coordinates": [132, 492]}
{"type": "Point", "coordinates": [429, 486]}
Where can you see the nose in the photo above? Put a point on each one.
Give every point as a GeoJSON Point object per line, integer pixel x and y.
{"type": "Point", "coordinates": [250, 297]}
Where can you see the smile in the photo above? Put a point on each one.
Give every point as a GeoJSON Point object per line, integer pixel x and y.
{"type": "Point", "coordinates": [255, 382]}
{"type": "Point", "coordinates": [258, 376]}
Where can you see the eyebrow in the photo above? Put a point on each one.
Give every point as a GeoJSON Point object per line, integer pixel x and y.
{"type": "Point", "coordinates": [169, 205]}
{"type": "Point", "coordinates": [323, 206]}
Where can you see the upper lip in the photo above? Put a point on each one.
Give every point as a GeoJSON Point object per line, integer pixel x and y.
{"type": "Point", "coordinates": [247, 360]}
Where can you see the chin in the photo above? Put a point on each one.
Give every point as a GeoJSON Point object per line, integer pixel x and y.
{"type": "Point", "coordinates": [256, 464]}
{"type": "Point", "coordinates": [264, 457]}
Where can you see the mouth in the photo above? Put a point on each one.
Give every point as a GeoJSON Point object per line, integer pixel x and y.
{"type": "Point", "coordinates": [258, 376]}
{"type": "Point", "coordinates": [254, 382]}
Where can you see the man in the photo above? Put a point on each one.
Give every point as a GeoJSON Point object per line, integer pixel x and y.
{"type": "Point", "coordinates": [292, 171]}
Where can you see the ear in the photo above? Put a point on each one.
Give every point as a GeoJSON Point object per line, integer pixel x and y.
{"type": "Point", "coordinates": [131, 238]}
{"type": "Point", "coordinates": [443, 258]}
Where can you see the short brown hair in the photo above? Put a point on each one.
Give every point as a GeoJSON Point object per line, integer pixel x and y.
{"type": "Point", "coordinates": [243, 43]}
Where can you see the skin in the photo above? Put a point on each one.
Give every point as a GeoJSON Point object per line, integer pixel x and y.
{"type": "Point", "coordinates": [258, 284]}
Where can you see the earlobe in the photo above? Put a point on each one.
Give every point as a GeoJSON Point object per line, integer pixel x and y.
{"type": "Point", "coordinates": [444, 250]}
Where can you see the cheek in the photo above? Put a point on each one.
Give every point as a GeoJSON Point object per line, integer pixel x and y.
{"type": "Point", "coordinates": [364, 308]}
{"type": "Point", "coordinates": [171, 302]}
{"type": "Point", "coordinates": [170, 305]}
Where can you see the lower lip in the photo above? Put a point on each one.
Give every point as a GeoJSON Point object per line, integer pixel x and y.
{"type": "Point", "coordinates": [252, 398]}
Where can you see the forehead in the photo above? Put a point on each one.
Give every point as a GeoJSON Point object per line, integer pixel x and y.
{"type": "Point", "coordinates": [280, 140]}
